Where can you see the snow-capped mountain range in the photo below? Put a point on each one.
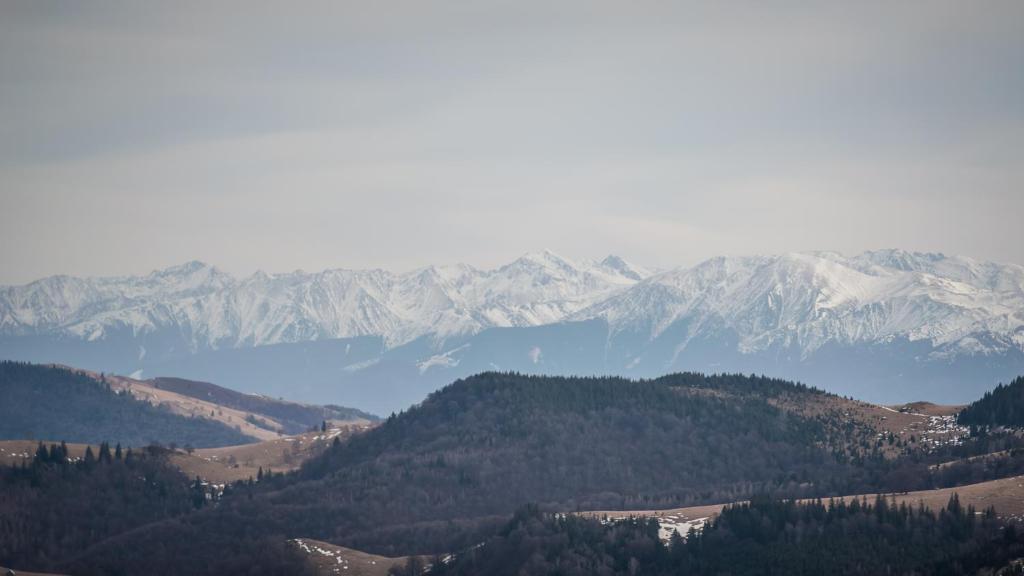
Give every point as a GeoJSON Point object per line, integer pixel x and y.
{"type": "Point", "coordinates": [958, 305]}
{"type": "Point", "coordinates": [887, 313]}
{"type": "Point", "coordinates": [212, 310]}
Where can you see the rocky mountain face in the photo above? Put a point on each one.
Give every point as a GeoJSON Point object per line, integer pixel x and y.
{"type": "Point", "coordinates": [888, 325]}
{"type": "Point", "coordinates": [212, 310]}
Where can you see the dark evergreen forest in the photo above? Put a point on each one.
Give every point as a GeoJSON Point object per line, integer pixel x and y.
{"type": "Point", "coordinates": [1003, 406]}
{"type": "Point", "coordinates": [764, 537]}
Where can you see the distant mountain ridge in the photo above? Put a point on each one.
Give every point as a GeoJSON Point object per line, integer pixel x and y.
{"type": "Point", "coordinates": [958, 305]}
{"type": "Point", "coordinates": [211, 309]}
{"type": "Point", "coordinates": [888, 325]}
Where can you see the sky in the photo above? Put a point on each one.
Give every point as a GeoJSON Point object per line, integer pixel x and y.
{"type": "Point", "coordinates": [139, 135]}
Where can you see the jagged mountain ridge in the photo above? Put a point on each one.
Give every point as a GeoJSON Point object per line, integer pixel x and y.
{"type": "Point", "coordinates": [211, 309]}
{"type": "Point", "coordinates": [805, 300]}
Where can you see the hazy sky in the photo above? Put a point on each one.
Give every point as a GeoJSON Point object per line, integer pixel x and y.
{"type": "Point", "coordinates": [138, 135]}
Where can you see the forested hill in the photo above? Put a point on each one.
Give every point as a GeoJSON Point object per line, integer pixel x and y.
{"type": "Point", "coordinates": [1003, 406]}
{"type": "Point", "coordinates": [446, 474]}
{"type": "Point", "coordinates": [489, 443]}
{"type": "Point", "coordinates": [53, 403]}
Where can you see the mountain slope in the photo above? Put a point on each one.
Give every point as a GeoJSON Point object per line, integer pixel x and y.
{"type": "Point", "coordinates": [208, 309]}
{"type": "Point", "coordinates": [292, 417]}
{"type": "Point", "coordinates": [805, 301]}
{"type": "Point", "coordinates": [490, 443]}
{"type": "Point", "coordinates": [45, 402]}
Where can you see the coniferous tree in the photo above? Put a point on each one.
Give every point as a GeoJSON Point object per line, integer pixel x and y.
{"type": "Point", "coordinates": [41, 453]}
{"type": "Point", "coordinates": [104, 453]}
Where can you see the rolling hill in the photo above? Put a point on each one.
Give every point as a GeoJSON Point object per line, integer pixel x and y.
{"type": "Point", "coordinates": [60, 403]}
{"type": "Point", "coordinates": [291, 417]}
{"type": "Point", "coordinates": [52, 402]}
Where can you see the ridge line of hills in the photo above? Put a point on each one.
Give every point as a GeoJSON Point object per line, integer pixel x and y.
{"type": "Point", "coordinates": [57, 402]}
{"type": "Point", "coordinates": [447, 473]}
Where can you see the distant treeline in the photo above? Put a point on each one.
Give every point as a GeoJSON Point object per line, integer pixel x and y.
{"type": "Point", "coordinates": [765, 536]}
{"type": "Point", "coordinates": [1003, 406]}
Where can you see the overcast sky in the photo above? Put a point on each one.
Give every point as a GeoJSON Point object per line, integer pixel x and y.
{"type": "Point", "coordinates": [138, 135]}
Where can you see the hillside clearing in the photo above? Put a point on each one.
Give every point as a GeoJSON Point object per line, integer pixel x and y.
{"type": "Point", "coordinates": [1006, 495]}
{"type": "Point", "coordinates": [331, 559]}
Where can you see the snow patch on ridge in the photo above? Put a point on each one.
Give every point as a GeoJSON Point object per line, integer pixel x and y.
{"type": "Point", "coordinates": [447, 360]}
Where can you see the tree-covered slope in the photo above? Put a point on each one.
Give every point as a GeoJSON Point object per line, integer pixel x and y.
{"type": "Point", "coordinates": [487, 444]}
{"type": "Point", "coordinates": [58, 506]}
{"type": "Point", "coordinates": [53, 403]}
{"type": "Point", "coordinates": [1003, 406]}
{"type": "Point", "coordinates": [760, 538]}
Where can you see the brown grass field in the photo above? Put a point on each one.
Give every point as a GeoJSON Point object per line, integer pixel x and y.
{"type": "Point", "coordinates": [1006, 495]}
{"type": "Point", "coordinates": [330, 559]}
{"type": "Point", "coordinates": [191, 407]}
{"type": "Point", "coordinates": [919, 424]}
{"type": "Point", "coordinates": [230, 463]}
{"type": "Point", "coordinates": [217, 465]}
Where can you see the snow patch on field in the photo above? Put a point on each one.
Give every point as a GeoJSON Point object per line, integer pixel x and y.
{"type": "Point", "coordinates": [669, 524]}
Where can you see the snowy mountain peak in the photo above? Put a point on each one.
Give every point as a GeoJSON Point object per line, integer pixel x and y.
{"type": "Point", "coordinates": [806, 300]}
{"type": "Point", "coordinates": [185, 269]}
{"type": "Point", "coordinates": [619, 266]}
{"type": "Point", "coordinates": [544, 260]}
